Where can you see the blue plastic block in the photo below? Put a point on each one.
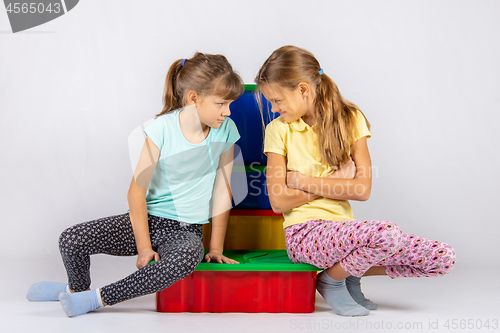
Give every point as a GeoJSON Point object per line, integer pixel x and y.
{"type": "Point", "coordinates": [247, 117]}
{"type": "Point", "coordinates": [257, 197]}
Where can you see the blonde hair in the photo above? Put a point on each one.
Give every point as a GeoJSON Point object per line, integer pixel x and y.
{"type": "Point", "coordinates": [290, 65]}
{"type": "Point", "coordinates": [206, 74]}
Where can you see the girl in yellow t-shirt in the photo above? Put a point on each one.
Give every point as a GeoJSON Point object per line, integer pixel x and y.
{"type": "Point", "coordinates": [318, 159]}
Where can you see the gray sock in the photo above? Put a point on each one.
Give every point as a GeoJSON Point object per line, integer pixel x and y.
{"type": "Point", "coordinates": [337, 296]}
{"type": "Point", "coordinates": [353, 285]}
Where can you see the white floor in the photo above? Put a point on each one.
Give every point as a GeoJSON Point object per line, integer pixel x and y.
{"type": "Point", "coordinates": [464, 297]}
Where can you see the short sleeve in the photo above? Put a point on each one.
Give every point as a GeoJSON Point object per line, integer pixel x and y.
{"type": "Point", "coordinates": [360, 128]}
{"type": "Point", "coordinates": [233, 134]}
{"type": "Point", "coordinates": [274, 140]}
{"type": "Point", "coordinates": [156, 131]}
{"type": "Point", "coordinates": [225, 136]}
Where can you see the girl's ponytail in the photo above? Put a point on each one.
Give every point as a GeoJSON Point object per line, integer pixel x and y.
{"type": "Point", "coordinates": [334, 119]}
{"type": "Point", "coordinates": [171, 99]}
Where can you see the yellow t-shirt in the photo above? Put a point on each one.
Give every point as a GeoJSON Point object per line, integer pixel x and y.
{"type": "Point", "coordinates": [297, 141]}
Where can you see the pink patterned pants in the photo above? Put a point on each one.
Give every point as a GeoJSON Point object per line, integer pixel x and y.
{"type": "Point", "coordinates": [359, 245]}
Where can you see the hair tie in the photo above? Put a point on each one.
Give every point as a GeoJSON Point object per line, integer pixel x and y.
{"type": "Point", "coordinates": [320, 71]}
{"type": "Point", "coordinates": [183, 62]}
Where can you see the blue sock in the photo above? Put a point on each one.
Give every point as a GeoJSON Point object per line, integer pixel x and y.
{"type": "Point", "coordinates": [353, 285]}
{"type": "Point", "coordinates": [46, 291]}
{"type": "Point", "coordinates": [79, 303]}
{"type": "Point", "coordinates": [336, 295]}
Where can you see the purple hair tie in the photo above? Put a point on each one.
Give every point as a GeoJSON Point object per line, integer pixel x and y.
{"type": "Point", "coordinates": [183, 62]}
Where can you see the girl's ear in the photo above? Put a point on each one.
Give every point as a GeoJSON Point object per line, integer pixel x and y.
{"type": "Point", "coordinates": [304, 89]}
{"type": "Point", "coordinates": [192, 97]}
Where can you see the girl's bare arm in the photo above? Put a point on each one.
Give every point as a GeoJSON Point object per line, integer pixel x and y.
{"type": "Point", "coordinates": [358, 188]}
{"type": "Point", "coordinates": [281, 197]}
{"type": "Point", "coordinates": [221, 208]}
{"type": "Point", "coordinates": [137, 202]}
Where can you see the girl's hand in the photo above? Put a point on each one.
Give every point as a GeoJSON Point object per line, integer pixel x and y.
{"type": "Point", "coordinates": [347, 171]}
{"type": "Point", "coordinates": [217, 256]}
{"type": "Point", "coordinates": [145, 258]}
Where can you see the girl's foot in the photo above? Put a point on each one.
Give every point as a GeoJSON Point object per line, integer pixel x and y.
{"type": "Point", "coordinates": [337, 296]}
{"type": "Point", "coordinates": [79, 303]}
{"type": "Point", "coordinates": [353, 285]}
{"type": "Point", "coordinates": [46, 291]}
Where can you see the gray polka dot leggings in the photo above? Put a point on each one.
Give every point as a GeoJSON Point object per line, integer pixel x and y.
{"type": "Point", "coordinates": [179, 245]}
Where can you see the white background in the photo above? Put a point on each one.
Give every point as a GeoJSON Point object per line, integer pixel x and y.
{"type": "Point", "coordinates": [426, 74]}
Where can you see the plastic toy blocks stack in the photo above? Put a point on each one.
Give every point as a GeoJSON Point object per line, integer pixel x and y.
{"type": "Point", "coordinates": [265, 280]}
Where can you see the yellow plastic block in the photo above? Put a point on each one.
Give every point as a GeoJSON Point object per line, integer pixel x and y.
{"type": "Point", "coordinates": [251, 233]}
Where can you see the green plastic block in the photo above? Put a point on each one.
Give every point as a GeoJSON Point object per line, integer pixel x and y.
{"type": "Point", "coordinates": [249, 168]}
{"type": "Point", "coordinates": [250, 87]}
{"type": "Point", "coordinates": [257, 260]}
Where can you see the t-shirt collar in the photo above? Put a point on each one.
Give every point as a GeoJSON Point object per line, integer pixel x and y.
{"type": "Point", "coordinates": [300, 125]}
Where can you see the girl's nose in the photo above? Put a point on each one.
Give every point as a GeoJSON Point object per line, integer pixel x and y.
{"type": "Point", "coordinates": [226, 111]}
{"type": "Point", "coordinates": [274, 108]}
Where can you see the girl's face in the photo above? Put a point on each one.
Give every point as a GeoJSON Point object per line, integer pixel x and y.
{"type": "Point", "coordinates": [212, 110]}
{"type": "Point", "coordinates": [289, 103]}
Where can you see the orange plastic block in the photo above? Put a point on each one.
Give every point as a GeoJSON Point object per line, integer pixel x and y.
{"type": "Point", "coordinates": [251, 232]}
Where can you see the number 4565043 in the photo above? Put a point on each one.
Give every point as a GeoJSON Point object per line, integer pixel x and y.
{"type": "Point", "coordinates": [471, 324]}
{"type": "Point", "coordinates": [32, 8]}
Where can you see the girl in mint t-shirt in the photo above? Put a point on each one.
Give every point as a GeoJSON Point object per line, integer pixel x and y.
{"type": "Point", "coordinates": [180, 182]}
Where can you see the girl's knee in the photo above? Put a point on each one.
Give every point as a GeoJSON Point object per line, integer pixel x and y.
{"type": "Point", "coordinates": [66, 238]}
{"type": "Point", "coordinates": [389, 236]}
{"type": "Point", "coordinates": [185, 259]}
{"type": "Point", "coordinates": [194, 255]}
{"type": "Point", "coordinates": [445, 258]}
{"type": "Point", "coordinates": [73, 240]}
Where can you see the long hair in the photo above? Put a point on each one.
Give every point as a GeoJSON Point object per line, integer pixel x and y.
{"type": "Point", "coordinates": [290, 65]}
{"type": "Point", "coordinates": [206, 74]}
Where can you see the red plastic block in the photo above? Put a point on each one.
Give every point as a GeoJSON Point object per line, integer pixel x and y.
{"type": "Point", "coordinates": [241, 291]}
{"type": "Point", "coordinates": [253, 212]}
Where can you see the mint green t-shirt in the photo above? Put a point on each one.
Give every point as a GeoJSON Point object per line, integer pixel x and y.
{"type": "Point", "coordinates": [182, 184]}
